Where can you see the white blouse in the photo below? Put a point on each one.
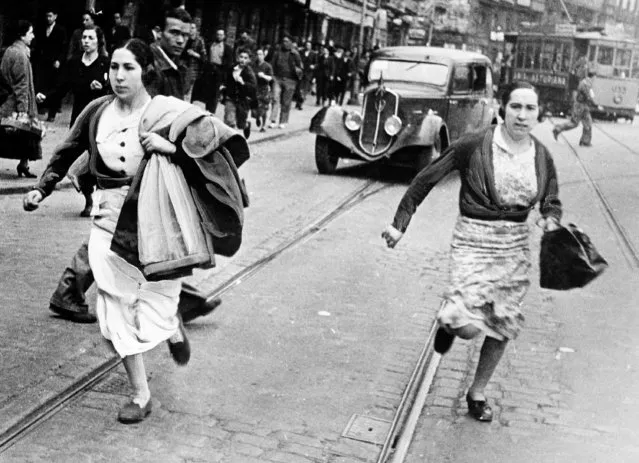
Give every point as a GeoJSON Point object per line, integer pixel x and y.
{"type": "Point", "coordinates": [515, 173]}
{"type": "Point", "coordinates": [118, 140]}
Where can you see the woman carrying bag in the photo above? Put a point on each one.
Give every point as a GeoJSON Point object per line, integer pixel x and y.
{"type": "Point", "coordinates": [124, 134]}
{"type": "Point", "coordinates": [20, 130]}
{"type": "Point", "coordinates": [504, 172]}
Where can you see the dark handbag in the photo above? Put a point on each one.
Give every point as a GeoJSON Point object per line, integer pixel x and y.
{"type": "Point", "coordinates": [568, 259]}
{"type": "Point", "coordinates": [24, 124]}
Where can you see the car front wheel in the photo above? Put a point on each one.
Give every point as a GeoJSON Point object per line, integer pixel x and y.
{"type": "Point", "coordinates": [326, 155]}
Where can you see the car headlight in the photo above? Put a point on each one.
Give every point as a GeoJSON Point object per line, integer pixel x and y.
{"type": "Point", "coordinates": [353, 121]}
{"type": "Point", "coordinates": [393, 125]}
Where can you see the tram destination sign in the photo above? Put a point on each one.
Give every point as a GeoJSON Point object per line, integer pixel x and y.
{"type": "Point", "coordinates": [535, 77]}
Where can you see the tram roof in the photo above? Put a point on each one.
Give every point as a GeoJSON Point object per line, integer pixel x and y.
{"type": "Point", "coordinates": [581, 35]}
{"type": "Point", "coordinates": [420, 53]}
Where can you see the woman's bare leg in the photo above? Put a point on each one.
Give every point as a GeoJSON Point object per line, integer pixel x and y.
{"type": "Point", "coordinates": [491, 353]}
{"type": "Point", "coordinates": [134, 365]}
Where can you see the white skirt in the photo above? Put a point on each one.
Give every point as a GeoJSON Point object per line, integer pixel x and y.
{"type": "Point", "coordinates": [134, 314]}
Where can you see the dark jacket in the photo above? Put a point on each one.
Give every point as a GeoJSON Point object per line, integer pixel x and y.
{"type": "Point", "coordinates": [309, 62]}
{"type": "Point", "coordinates": [471, 155]}
{"type": "Point", "coordinates": [208, 152]}
{"type": "Point", "coordinates": [287, 64]}
{"type": "Point", "coordinates": [171, 76]}
{"type": "Point", "coordinates": [237, 92]}
{"type": "Point", "coordinates": [52, 48]}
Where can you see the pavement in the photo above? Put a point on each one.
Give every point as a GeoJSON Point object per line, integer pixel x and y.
{"type": "Point", "coordinates": [565, 390]}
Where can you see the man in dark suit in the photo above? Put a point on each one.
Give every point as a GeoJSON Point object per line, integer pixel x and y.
{"type": "Point", "coordinates": [309, 63]}
{"type": "Point", "coordinates": [219, 64]}
{"type": "Point", "coordinates": [342, 72]}
{"type": "Point", "coordinates": [50, 49]}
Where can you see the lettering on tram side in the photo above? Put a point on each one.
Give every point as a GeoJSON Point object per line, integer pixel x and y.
{"type": "Point", "coordinates": [618, 92]}
{"type": "Point", "coordinates": [541, 78]}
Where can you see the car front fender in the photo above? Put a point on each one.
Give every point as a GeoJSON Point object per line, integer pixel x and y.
{"type": "Point", "coordinates": [329, 122]}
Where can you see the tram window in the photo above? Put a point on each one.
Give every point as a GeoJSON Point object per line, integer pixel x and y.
{"type": "Point", "coordinates": [635, 65]}
{"type": "Point", "coordinates": [592, 53]}
{"type": "Point", "coordinates": [605, 55]}
{"type": "Point", "coordinates": [547, 55]}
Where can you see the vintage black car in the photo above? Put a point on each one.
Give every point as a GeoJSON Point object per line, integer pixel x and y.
{"type": "Point", "coordinates": [418, 100]}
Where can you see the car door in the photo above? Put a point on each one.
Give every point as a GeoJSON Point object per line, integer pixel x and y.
{"type": "Point", "coordinates": [461, 100]}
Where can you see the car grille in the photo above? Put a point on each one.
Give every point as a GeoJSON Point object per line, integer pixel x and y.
{"type": "Point", "coordinates": [379, 105]}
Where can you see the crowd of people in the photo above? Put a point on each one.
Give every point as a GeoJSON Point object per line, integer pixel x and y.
{"type": "Point", "coordinates": [247, 79]}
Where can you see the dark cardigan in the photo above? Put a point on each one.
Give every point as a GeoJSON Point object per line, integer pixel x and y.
{"type": "Point", "coordinates": [472, 156]}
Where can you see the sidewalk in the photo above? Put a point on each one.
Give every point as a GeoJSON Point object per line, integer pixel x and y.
{"type": "Point", "coordinates": [299, 122]}
{"type": "Point", "coordinates": [565, 391]}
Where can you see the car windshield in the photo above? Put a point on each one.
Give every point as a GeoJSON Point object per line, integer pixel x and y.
{"type": "Point", "coordinates": [409, 71]}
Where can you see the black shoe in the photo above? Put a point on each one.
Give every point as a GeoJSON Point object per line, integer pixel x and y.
{"type": "Point", "coordinates": [555, 134]}
{"type": "Point", "coordinates": [22, 170]}
{"type": "Point", "coordinates": [200, 311]}
{"type": "Point", "coordinates": [443, 341]}
{"type": "Point", "coordinates": [76, 317]}
{"type": "Point", "coordinates": [88, 205]}
{"type": "Point", "coordinates": [585, 144]}
{"type": "Point", "coordinates": [247, 130]}
{"type": "Point", "coordinates": [180, 351]}
{"type": "Point", "coordinates": [133, 413]}
{"type": "Point", "coordinates": [479, 409]}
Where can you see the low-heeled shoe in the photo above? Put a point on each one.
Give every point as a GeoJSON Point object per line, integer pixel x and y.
{"type": "Point", "coordinates": [180, 351]}
{"type": "Point", "coordinates": [132, 412]}
{"type": "Point", "coordinates": [201, 310]}
{"type": "Point", "coordinates": [76, 317]}
{"type": "Point", "coordinates": [479, 409]}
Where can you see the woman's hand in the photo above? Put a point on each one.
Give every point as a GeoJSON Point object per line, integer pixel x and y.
{"type": "Point", "coordinates": [31, 200]}
{"type": "Point", "coordinates": [40, 97]}
{"type": "Point", "coordinates": [95, 85]}
{"type": "Point", "coordinates": [154, 143]}
{"type": "Point", "coordinates": [392, 236]}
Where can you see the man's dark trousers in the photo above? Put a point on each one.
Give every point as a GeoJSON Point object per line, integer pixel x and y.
{"type": "Point", "coordinates": [77, 278]}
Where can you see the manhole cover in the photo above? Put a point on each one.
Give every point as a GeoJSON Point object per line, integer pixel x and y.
{"type": "Point", "coordinates": [367, 429]}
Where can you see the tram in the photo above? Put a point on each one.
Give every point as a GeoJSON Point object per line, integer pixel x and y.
{"type": "Point", "coordinates": [555, 58]}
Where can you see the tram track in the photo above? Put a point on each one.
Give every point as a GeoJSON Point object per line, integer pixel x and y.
{"type": "Point", "coordinates": [629, 250]}
{"type": "Point", "coordinates": [82, 385]}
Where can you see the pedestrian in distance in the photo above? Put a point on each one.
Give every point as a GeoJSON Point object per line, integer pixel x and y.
{"type": "Point", "coordinates": [195, 56]}
{"type": "Point", "coordinates": [118, 33]}
{"type": "Point", "coordinates": [136, 311]}
{"type": "Point", "coordinates": [504, 173]}
{"type": "Point", "coordinates": [239, 94]}
{"type": "Point", "coordinates": [18, 99]}
{"type": "Point", "coordinates": [87, 79]}
{"type": "Point", "coordinates": [264, 74]}
{"type": "Point", "coordinates": [323, 77]}
{"type": "Point", "coordinates": [89, 19]}
{"type": "Point", "coordinates": [220, 61]}
{"type": "Point", "coordinates": [68, 300]}
{"type": "Point", "coordinates": [287, 70]}
{"type": "Point", "coordinates": [584, 99]}
{"type": "Point", "coordinates": [50, 50]}
{"type": "Point", "coordinates": [309, 63]}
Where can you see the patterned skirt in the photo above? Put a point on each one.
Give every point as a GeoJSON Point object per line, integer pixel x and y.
{"type": "Point", "coordinates": [489, 267]}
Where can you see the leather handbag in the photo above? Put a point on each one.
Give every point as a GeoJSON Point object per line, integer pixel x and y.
{"type": "Point", "coordinates": [23, 123]}
{"type": "Point", "coordinates": [568, 259]}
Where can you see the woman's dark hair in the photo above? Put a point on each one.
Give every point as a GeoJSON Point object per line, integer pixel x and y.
{"type": "Point", "coordinates": [144, 57]}
{"type": "Point", "coordinates": [516, 85]}
{"type": "Point", "coordinates": [18, 30]}
{"type": "Point", "coordinates": [99, 33]}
